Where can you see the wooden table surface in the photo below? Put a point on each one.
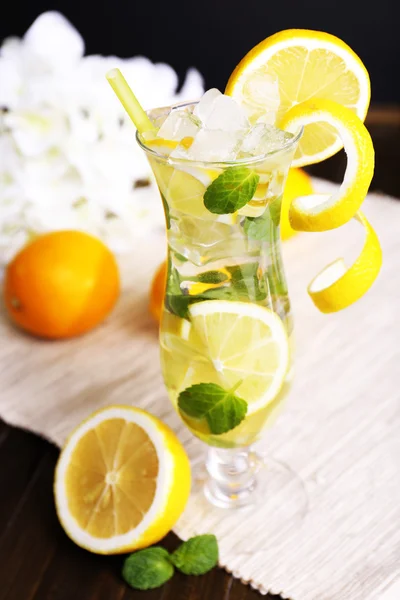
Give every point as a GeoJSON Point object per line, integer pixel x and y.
{"type": "Point", "coordinates": [37, 560]}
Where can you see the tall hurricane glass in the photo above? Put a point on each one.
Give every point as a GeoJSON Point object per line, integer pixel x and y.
{"type": "Point", "coordinates": [231, 257]}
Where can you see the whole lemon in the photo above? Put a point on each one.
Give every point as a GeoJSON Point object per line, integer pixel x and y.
{"type": "Point", "coordinates": [61, 284]}
{"type": "Point", "coordinates": [298, 184]}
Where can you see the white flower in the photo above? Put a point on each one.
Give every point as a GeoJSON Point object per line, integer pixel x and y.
{"type": "Point", "coordinates": [68, 154]}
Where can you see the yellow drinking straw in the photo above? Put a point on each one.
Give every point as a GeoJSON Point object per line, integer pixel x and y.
{"type": "Point", "coordinates": [129, 101]}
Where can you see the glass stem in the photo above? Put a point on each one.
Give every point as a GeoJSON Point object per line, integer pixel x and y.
{"type": "Point", "coordinates": [231, 479]}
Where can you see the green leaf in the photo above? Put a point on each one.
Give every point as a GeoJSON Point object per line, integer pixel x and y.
{"type": "Point", "coordinates": [212, 277]}
{"type": "Point", "coordinates": [258, 228]}
{"type": "Point", "coordinates": [175, 301]}
{"type": "Point", "coordinates": [265, 227]}
{"type": "Point", "coordinates": [166, 212]}
{"type": "Point", "coordinates": [147, 569]}
{"type": "Point", "coordinates": [178, 305]}
{"type": "Point", "coordinates": [275, 208]}
{"type": "Point", "coordinates": [180, 257]}
{"type": "Point", "coordinates": [234, 188]}
{"type": "Point", "coordinates": [196, 556]}
{"type": "Point", "coordinates": [222, 409]}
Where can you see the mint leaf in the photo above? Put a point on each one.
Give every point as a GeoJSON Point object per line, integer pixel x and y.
{"type": "Point", "coordinates": [222, 409]}
{"type": "Point", "coordinates": [213, 277]}
{"type": "Point", "coordinates": [166, 212]}
{"type": "Point", "coordinates": [258, 228]}
{"type": "Point", "coordinates": [147, 569]}
{"type": "Point", "coordinates": [275, 210]}
{"type": "Point", "coordinates": [178, 305]}
{"type": "Point", "coordinates": [196, 556]}
{"type": "Point", "coordinates": [234, 188]}
{"type": "Point", "coordinates": [175, 301]}
{"type": "Point", "coordinates": [264, 227]}
{"type": "Point", "coordinates": [180, 257]}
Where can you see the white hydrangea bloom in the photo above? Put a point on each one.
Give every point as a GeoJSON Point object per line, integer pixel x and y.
{"type": "Point", "coordinates": [68, 155]}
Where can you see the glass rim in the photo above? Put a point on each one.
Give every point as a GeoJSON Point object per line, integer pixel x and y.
{"type": "Point", "coordinates": [218, 163]}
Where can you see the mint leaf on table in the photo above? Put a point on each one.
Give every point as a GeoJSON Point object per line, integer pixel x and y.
{"type": "Point", "coordinates": [147, 569]}
{"type": "Point", "coordinates": [196, 556]}
{"type": "Point", "coordinates": [234, 188]}
{"type": "Point", "coordinates": [222, 409]}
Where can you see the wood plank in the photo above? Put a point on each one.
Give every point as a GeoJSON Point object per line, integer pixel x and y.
{"type": "Point", "coordinates": [20, 454]}
{"type": "Point", "coordinates": [39, 562]}
{"type": "Point", "coordinates": [4, 431]}
{"type": "Point", "coordinates": [29, 541]}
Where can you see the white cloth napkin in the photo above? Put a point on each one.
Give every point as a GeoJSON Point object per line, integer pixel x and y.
{"type": "Point", "coordinates": [339, 432]}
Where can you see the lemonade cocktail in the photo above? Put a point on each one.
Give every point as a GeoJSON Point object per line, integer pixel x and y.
{"type": "Point", "coordinates": [221, 166]}
{"type": "Point", "coordinates": [220, 257]}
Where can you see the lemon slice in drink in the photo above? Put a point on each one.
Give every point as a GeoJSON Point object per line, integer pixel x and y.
{"type": "Point", "coordinates": [232, 342]}
{"type": "Point", "coordinates": [121, 482]}
{"type": "Point", "coordinates": [183, 188]}
{"type": "Point", "coordinates": [304, 65]}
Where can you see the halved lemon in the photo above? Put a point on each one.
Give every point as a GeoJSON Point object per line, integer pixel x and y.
{"type": "Point", "coordinates": [121, 482]}
{"type": "Point", "coordinates": [304, 65]}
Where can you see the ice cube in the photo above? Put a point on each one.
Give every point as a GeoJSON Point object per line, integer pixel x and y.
{"type": "Point", "coordinates": [215, 145]}
{"type": "Point", "coordinates": [254, 138]}
{"type": "Point", "coordinates": [226, 114]}
{"type": "Point", "coordinates": [205, 105]}
{"type": "Point", "coordinates": [263, 139]}
{"type": "Point", "coordinates": [181, 151]}
{"type": "Point", "coordinates": [178, 125]}
{"type": "Point", "coordinates": [261, 96]}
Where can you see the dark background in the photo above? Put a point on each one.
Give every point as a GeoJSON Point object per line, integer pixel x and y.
{"type": "Point", "coordinates": [213, 35]}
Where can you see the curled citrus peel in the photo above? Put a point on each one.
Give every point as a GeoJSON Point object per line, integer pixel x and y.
{"type": "Point", "coordinates": [320, 212]}
{"type": "Point", "coordinates": [336, 287]}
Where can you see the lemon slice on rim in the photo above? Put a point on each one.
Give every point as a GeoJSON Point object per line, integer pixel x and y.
{"type": "Point", "coordinates": [121, 482]}
{"type": "Point", "coordinates": [305, 65]}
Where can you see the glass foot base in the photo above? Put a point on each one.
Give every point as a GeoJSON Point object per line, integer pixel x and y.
{"type": "Point", "coordinates": [250, 479]}
{"type": "Point", "coordinates": [228, 488]}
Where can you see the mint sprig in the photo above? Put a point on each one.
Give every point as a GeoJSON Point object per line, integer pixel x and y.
{"type": "Point", "coordinates": [150, 568]}
{"type": "Point", "coordinates": [222, 409]}
{"type": "Point", "coordinates": [196, 556]}
{"type": "Point", "coordinates": [234, 188]}
{"type": "Point", "coordinates": [147, 569]}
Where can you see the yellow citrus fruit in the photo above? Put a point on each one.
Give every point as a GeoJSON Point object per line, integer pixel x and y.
{"type": "Point", "coordinates": [157, 291]}
{"type": "Point", "coordinates": [121, 482]}
{"type": "Point", "coordinates": [227, 342]}
{"type": "Point", "coordinates": [298, 183]}
{"type": "Point", "coordinates": [303, 65]}
{"type": "Point", "coordinates": [61, 284]}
